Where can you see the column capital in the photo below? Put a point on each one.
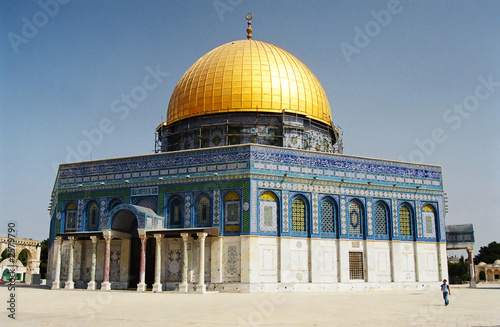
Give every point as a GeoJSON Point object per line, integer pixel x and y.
{"type": "Point", "coordinates": [108, 238]}
{"type": "Point", "coordinates": [202, 236]}
{"type": "Point", "coordinates": [158, 237]}
{"type": "Point", "coordinates": [59, 240]}
{"type": "Point", "coordinates": [94, 239]}
{"type": "Point", "coordinates": [185, 236]}
{"type": "Point", "coordinates": [71, 240]}
{"type": "Point", "coordinates": [143, 237]}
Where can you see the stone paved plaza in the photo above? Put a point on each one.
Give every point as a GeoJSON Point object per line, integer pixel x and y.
{"type": "Point", "coordinates": [43, 307]}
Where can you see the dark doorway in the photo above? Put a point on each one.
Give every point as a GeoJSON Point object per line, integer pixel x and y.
{"type": "Point", "coordinates": [135, 262]}
{"type": "Point", "coordinates": [150, 262]}
{"type": "Point", "coordinates": [126, 221]}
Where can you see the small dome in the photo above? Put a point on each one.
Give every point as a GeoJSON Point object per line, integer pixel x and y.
{"type": "Point", "coordinates": [482, 264]}
{"type": "Point", "coordinates": [248, 76]}
{"type": "Point", "coordinates": [497, 262]}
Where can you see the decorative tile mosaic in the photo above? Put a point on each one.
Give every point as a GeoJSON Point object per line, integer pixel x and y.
{"type": "Point", "coordinates": [343, 215]}
{"type": "Point", "coordinates": [187, 211]}
{"type": "Point", "coordinates": [419, 219]}
{"type": "Point", "coordinates": [145, 166]}
{"type": "Point", "coordinates": [79, 215]}
{"type": "Point", "coordinates": [285, 211]}
{"type": "Point", "coordinates": [395, 225]}
{"type": "Point", "coordinates": [369, 216]}
{"type": "Point", "coordinates": [216, 214]}
{"type": "Point", "coordinates": [141, 191]}
{"type": "Point", "coordinates": [315, 218]}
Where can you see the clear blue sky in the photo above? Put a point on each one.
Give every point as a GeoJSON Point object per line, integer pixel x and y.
{"type": "Point", "coordinates": [414, 81]}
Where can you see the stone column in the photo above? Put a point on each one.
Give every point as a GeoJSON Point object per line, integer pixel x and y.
{"type": "Point", "coordinates": [157, 287]}
{"type": "Point", "coordinates": [69, 283]}
{"type": "Point", "coordinates": [56, 283]}
{"type": "Point", "coordinates": [183, 287]}
{"type": "Point", "coordinates": [141, 287]}
{"type": "Point", "coordinates": [91, 284]}
{"type": "Point", "coordinates": [471, 269]}
{"type": "Point", "coordinates": [201, 287]}
{"type": "Point", "coordinates": [106, 285]}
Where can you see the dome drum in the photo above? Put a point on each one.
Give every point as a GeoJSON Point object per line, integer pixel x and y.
{"type": "Point", "coordinates": [248, 91]}
{"type": "Point", "coordinates": [284, 130]}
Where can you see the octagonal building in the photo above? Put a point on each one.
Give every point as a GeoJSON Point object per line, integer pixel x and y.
{"type": "Point", "coordinates": [249, 191]}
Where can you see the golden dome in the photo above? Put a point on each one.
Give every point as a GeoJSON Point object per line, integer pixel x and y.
{"type": "Point", "coordinates": [248, 76]}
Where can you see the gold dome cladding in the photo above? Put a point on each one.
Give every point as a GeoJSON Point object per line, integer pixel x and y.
{"type": "Point", "coordinates": [248, 76]}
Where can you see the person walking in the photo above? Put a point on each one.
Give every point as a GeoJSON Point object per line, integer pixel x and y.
{"type": "Point", "coordinates": [445, 288]}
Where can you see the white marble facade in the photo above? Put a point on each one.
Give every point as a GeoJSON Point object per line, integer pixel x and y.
{"type": "Point", "coordinates": [270, 264]}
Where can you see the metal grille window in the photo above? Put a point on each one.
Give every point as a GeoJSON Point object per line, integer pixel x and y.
{"type": "Point", "coordinates": [327, 217]}
{"type": "Point", "coordinates": [298, 215]}
{"type": "Point", "coordinates": [354, 218]}
{"type": "Point", "coordinates": [70, 216]}
{"type": "Point", "coordinates": [356, 265]}
{"type": "Point", "coordinates": [380, 219]}
{"type": "Point", "coordinates": [93, 214]}
{"type": "Point", "coordinates": [203, 211]}
{"type": "Point", "coordinates": [175, 212]}
{"type": "Point", "coordinates": [404, 221]}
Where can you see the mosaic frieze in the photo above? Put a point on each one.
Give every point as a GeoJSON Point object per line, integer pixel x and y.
{"type": "Point", "coordinates": [330, 164]}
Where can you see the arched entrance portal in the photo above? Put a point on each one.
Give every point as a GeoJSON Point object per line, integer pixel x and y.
{"type": "Point", "coordinates": [126, 221]}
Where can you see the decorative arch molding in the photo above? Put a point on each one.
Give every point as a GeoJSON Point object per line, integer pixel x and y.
{"type": "Point", "coordinates": [31, 247]}
{"type": "Point", "coordinates": [146, 218]}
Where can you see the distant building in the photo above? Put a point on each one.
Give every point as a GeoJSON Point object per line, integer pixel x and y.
{"type": "Point", "coordinates": [13, 247]}
{"type": "Point", "coordinates": [250, 193]}
{"type": "Point", "coordinates": [488, 272]}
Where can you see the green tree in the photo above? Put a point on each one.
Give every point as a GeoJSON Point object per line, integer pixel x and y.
{"type": "Point", "coordinates": [488, 254]}
{"type": "Point", "coordinates": [23, 257]}
{"type": "Point", "coordinates": [459, 271]}
{"type": "Point", "coordinates": [44, 256]}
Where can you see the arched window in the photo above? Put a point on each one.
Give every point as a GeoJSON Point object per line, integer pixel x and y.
{"type": "Point", "coordinates": [203, 211]}
{"type": "Point", "coordinates": [405, 221]}
{"type": "Point", "coordinates": [232, 208]}
{"type": "Point", "coordinates": [429, 218]}
{"type": "Point", "coordinates": [299, 221]}
{"type": "Point", "coordinates": [70, 216]}
{"type": "Point", "coordinates": [328, 216]}
{"type": "Point", "coordinates": [147, 203]}
{"type": "Point", "coordinates": [268, 212]}
{"type": "Point", "coordinates": [175, 212]}
{"type": "Point", "coordinates": [92, 216]}
{"type": "Point", "coordinates": [355, 218]}
{"type": "Point", "coordinates": [113, 203]}
{"type": "Point", "coordinates": [381, 219]}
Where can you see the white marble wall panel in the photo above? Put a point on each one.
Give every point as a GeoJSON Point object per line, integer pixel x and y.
{"type": "Point", "coordinates": [231, 259]}
{"type": "Point", "coordinates": [268, 259]}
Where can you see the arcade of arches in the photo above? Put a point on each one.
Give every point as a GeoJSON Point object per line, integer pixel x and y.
{"type": "Point", "coordinates": [16, 248]}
